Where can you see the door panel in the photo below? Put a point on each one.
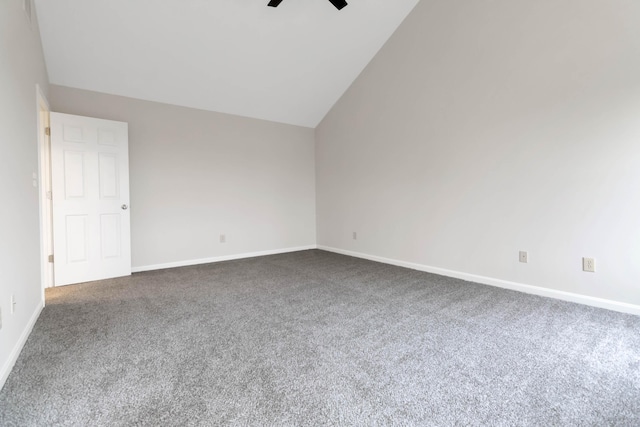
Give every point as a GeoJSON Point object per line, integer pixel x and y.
{"type": "Point", "coordinates": [90, 180]}
{"type": "Point", "coordinates": [107, 137]}
{"type": "Point", "coordinates": [72, 134]}
{"type": "Point", "coordinates": [76, 233]}
{"type": "Point", "coordinates": [108, 166]}
{"type": "Point", "coordinates": [73, 174]}
{"type": "Point", "coordinates": [110, 235]}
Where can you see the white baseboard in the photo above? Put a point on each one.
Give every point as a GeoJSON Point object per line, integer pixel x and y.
{"type": "Point", "coordinates": [521, 287]}
{"type": "Point", "coordinates": [8, 366]}
{"type": "Point", "coordinates": [219, 258]}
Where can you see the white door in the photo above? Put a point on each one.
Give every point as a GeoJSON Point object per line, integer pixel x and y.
{"type": "Point", "coordinates": [90, 186]}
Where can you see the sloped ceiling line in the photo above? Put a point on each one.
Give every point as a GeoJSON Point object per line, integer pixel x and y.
{"type": "Point", "coordinates": [288, 64]}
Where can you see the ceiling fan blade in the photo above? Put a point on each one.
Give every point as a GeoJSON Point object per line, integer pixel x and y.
{"type": "Point", "coordinates": [339, 4]}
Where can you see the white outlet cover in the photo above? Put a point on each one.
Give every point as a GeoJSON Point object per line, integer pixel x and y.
{"type": "Point", "coordinates": [589, 265]}
{"type": "Point", "coordinates": [524, 256]}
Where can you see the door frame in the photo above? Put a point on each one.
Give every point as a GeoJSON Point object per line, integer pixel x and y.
{"type": "Point", "coordinates": [44, 185]}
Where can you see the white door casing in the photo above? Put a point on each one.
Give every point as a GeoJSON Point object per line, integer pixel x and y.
{"type": "Point", "coordinates": [90, 186]}
{"type": "Point", "coordinates": [46, 209]}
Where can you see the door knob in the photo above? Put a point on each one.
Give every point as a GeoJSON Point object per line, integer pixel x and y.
{"type": "Point", "coordinates": [124, 207]}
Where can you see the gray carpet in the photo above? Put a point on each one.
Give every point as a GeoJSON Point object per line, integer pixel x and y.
{"type": "Point", "coordinates": [314, 338]}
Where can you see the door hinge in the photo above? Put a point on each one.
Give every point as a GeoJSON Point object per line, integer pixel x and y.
{"type": "Point", "coordinates": [50, 258]}
{"type": "Point", "coordinates": [49, 195]}
{"type": "Point", "coordinates": [47, 131]}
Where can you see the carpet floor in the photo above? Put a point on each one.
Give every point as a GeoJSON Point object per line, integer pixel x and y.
{"type": "Point", "coordinates": [315, 338]}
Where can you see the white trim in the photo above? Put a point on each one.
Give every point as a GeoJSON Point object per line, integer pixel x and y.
{"type": "Point", "coordinates": [8, 366]}
{"type": "Point", "coordinates": [40, 97]}
{"type": "Point", "coordinates": [521, 287]}
{"type": "Point", "coordinates": [42, 107]}
{"type": "Point", "coordinates": [219, 258]}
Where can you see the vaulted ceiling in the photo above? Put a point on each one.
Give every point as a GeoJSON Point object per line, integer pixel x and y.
{"type": "Point", "coordinates": [288, 64]}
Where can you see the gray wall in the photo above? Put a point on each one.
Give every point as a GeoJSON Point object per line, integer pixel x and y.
{"type": "Point", "coordinates": [487, 127]}
{"type": "Point", "coordinates": [195, 175]}
{"type": "Point", "coordinates": [21, 68]}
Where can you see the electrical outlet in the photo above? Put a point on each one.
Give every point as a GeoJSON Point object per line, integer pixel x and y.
{"type": "Point", "coordinates": [223, 238]}
{"type": "Point", "coordinates": [355, 236]}
{"type": "Point", "coordinates": [13, 304]}
{"type": "Point", "coordinates": [589, 265]}
{"type": "Point", "coordinates": [524, 256]}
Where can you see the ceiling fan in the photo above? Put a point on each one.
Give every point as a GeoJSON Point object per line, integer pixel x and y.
{"type": "Point", "coordinates": [339, 4]}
